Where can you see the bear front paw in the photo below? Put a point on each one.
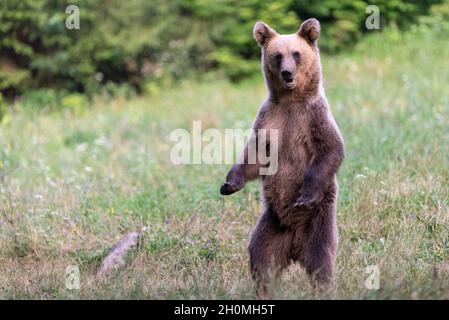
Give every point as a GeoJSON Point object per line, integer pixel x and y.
{"type": "Point", "coordinates": [308, 201]}
{"type": "Point", "coordinates": [229, 188]}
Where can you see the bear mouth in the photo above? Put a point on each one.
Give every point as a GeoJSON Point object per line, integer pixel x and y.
{"type": "Point", "coordinates": [290, 85]}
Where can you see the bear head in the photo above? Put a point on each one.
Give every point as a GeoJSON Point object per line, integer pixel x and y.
{"type": "Point", "coordinates": [290, 62]}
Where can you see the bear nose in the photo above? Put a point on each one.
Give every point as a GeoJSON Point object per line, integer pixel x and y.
{"type": "Point", "coordinates": [286, 75]}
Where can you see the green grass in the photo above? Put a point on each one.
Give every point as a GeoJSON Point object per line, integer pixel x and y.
{"type": "Point", "coordinates": [73, 184]}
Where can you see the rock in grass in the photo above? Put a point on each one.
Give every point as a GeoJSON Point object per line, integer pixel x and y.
{"type": "Point", "coordinates": [116, 257]}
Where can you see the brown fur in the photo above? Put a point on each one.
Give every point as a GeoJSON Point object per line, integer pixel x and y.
{"type": "Point", "coordinates": [299, 220]}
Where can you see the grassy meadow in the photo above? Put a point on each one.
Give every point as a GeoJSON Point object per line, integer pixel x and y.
{"type": "Point", "coordinates": [73, 183]}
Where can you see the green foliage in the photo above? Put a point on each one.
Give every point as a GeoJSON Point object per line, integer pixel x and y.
{"type": "Point", "coordinates": [114, 90]}
{"type": "Point", "coordinates": [343, 22]}
{"type": "Point", "coordinates": [2, 108]}
{"type": "Point", "coordinates": [148, 43]}
{"type": "Point", "coordinates": [41, 99]}
{"type": "Point", "coordinates": [75, 102]}
{"type": "Point", "coordinates": [437, 22]}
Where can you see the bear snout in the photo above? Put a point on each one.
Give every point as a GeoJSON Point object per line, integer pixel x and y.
{"type": "Point", "coordinates": [287, 76]}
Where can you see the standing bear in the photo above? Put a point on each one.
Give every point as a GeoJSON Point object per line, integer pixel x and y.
{"type": "Point", "coordinates": [298, 223]}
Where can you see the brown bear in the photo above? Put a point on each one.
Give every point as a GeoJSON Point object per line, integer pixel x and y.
{"type": "Point", "coordinates": [299, 219]}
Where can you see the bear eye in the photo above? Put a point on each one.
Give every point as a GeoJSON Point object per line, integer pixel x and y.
{"type": "Point", "coordinates": [278, 58]}
{"type": "Point", "coordinates": [296, 55]}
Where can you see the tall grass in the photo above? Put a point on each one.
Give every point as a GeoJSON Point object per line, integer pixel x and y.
{"type": "Point", "coordinates": [72, 184]}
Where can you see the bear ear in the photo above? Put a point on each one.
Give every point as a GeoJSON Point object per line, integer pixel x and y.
{"type": "Point", "coordinates": [263, 33]}
{"type": "Point", "coordinates": [310, 30]}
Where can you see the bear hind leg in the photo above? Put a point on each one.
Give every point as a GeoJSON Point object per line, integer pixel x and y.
{"type": "Point", "coordinates": [269, 251]}
{"type": "Point", "coordinates": [321, 249]}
